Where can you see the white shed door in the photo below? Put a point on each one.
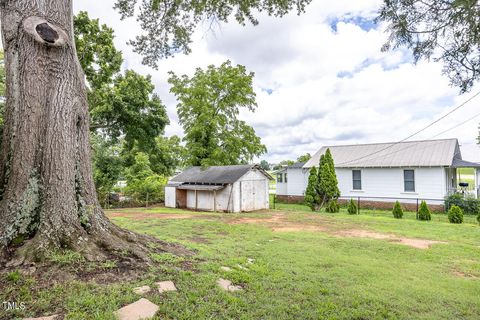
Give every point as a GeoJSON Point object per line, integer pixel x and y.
{"type": "Point", "coordinates": [252, 195]}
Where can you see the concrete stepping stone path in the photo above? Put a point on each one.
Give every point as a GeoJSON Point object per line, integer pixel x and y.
{"type": "Point", "coordinates": [142, 309]}
{"type": "Point", "coordinates": [165, 286]}
{"type": "Point", "coordinates": [227, 285]}
{"type": "Point", "coordinates": [142, 290]}
{"type": "Point", "coordinates": [228, 269]}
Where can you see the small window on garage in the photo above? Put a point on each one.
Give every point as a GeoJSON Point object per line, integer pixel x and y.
{"type": "Point", "coordinates": [357, 179]}
{"type": "Point", "coordinates": [285, 178]}
{"type": "Point", "coordinates": [280, 177]}
{"type": "Point", "coordinates": [409, 180]}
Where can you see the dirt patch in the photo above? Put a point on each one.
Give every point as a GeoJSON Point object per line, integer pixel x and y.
{"type": "Point", "coordinates": [418, 243]}
{"type": "Point", "coordinates": [198, 239]}
{"type": "Point", "coordinates": [275, 218]}
{"type": "Point", "coordinates": [279, 222]}
{"type": "Point", "coordinates": [363, 234]}
{"type": "Point", "coordinates": [415, 243]}
{"type": "Point", "coordinates": [145, 215]}
{"type": "Point", "coordinates": [298, 228]}
{"type": "Point", "coordinates": [461, 274]}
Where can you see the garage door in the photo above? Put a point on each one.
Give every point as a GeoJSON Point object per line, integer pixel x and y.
{"type": "Point", "coordinates": [253, 195]}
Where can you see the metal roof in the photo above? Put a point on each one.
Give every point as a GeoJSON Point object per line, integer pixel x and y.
{"type": "Point", "coordinates": [426, 153]}
{"type": "Point", "coordinates": [216, 174]}
{"type": "Point", "coordinates": [297, 165]}
{"type": "Point", "coordinates": [200, 187]}
{"type": "Point", "coordinates": [459, 163]}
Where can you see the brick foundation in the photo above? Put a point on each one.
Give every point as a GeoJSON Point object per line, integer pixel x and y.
{"type": "Point", "coordinates": [384, 205]}
{"type": "Point", "coordinates": [290, 199]}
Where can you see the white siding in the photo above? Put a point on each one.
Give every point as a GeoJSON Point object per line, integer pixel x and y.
{"type": "Point", "coordinates": [170, 197]}
{"type": "Point", "coordinates": [252, 192]}
{"type": "Point", "coordinates": [249, 193]}
{"type": "Point", "coordinates": [430, 183]}
{"type": "Point", "coordinates": [281, 186]}
{"type": "Point", "coordinates": [206, 200]}
{"type": "Point", "coordinates": [297, 181]}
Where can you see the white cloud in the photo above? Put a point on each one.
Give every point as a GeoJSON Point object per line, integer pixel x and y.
{"type": "Point", "coordinates": [329, 81]}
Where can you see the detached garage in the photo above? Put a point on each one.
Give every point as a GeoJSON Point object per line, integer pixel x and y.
{"type": "Point", "coordinates": [239, 188]}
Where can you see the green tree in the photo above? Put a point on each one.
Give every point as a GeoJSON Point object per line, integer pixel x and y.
{"type": "Point", "coordinates": [304, 158]}
{"type": "Point", "coordinates": [142, 182]}
{"type": "Point", "coordinates": [208, 108]}
{"type": "Point", "coordinates": [397, 211]}
{"type": "Point", "coordinates": [108, 164]}
{"type": "Point", "coordinates": [445, 31]}
{"type": "Point", "coordinates": [120, 104]}
{"type": "Point", "coordinates": [283, 163]}
{"type": "Point", "coordinates": [167, 155]}
{"type": "Point", "coordinates": [312, 197]}
{"type": "Point", "coordinates": [424, 212]}
{"type": "Point", "coordinates": [128, 108]}
{"type": "Point", "coordinates": [352, 207]}
{"type": "Point", "coordinates": [328, 183]}
{"type": "Point", "coordinates": [332, 206]}
{"type": "Point", "coordinates": [265, 165]}
{"type": "Point", "coordinates": [455, 214]}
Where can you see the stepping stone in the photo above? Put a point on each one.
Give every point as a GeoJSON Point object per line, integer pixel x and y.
{"type": "Point", "coordinates": [226, 269]}
{"type": "Point", "coordinates": [164, 286]}
{"type": "Point", "coordinates": [43, 318]}
{"type": "Point", "coordinates": [227, 285]}
{"type": "Point", "coordinates": [142, 290]}
{"type": "Point", "coordinates": [142, 309]}
{"type": "Point", "coordinates": [241, 267]}
{"type": "Point", "coordinates": [250, 261]}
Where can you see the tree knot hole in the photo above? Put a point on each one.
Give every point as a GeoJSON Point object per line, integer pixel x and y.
{"type": "Point", "coordinates": [47, 33]}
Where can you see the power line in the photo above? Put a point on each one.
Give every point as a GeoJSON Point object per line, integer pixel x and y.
{"type": "Point", "coordinates": [417, 132]}
{"type": "Point", "coordinates": [458, 125]}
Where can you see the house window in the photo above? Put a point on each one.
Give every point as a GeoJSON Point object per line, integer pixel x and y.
{"type": "Point", "coordinates": [357, 179]}
{"type": "Point", "coordinates": [285, 178]}
{"type": "Point", "coordinates": [280, 177]}
{"type": "Point", "coordinates": [409, 180]}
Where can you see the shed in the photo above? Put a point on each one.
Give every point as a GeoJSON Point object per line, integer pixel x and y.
{"type": "Point", "coordinates": [239, 188]}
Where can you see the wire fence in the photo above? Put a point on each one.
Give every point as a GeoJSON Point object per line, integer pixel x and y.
{"type": "Point", "coordinates": [115, 200]}
{"type": "Point", "coordinates": [373, 203]}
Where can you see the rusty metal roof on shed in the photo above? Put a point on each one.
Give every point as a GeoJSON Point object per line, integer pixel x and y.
{"type": "Point", "coordinates": [426, 153]}
{"type": "Point", "coordinates": [216, 174]}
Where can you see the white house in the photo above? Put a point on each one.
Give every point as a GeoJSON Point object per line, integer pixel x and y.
{"type": "Point", "coordinates": [240, 188]}
{"type": "Point", "coordinates": [383, 172]}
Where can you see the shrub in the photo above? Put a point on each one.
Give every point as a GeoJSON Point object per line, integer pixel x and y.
{"type": "Point", "coordinates": [469, 205]}
{"type": "Point", "coordinates": [352, 207]}
{"type": "Point", "coordinates": [397, 211]}
{"type": "Point", "coordinates": [478, 218]}
{"type": "Point", "coordinates": [332, 206]}
{"type": "Point", "coordinates": [455, 214]}
{"type": "Point", "coordinates": [424, 212]}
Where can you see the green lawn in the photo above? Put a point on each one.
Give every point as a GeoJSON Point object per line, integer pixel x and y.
{"type": "Point", "coordinates": [303, 274]}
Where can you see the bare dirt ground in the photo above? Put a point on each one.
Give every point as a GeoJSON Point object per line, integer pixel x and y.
{"type": "Point", "coordinates": [280, 222]}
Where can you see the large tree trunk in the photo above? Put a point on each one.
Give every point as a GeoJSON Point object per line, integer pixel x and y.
{"type": "Point", "coordinates": [47, 195]}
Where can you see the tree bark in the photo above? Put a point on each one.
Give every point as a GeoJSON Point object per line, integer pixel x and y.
{"type": "Point", "coordinates": [47, 194]}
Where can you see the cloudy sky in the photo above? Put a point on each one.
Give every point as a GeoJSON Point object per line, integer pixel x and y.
{"type": "Point", "coordinates": [320, 79]}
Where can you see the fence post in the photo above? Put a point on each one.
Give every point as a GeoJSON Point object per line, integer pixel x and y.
{"type": "Point", "coordinates": [146, 203]}
{"type": "Point", "coordinates": [416, 216]}
{"type": "Point", "coordinates": [358, 205]}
